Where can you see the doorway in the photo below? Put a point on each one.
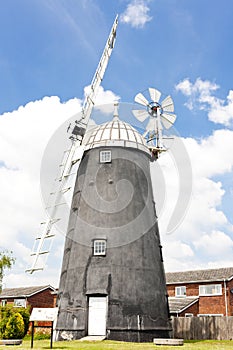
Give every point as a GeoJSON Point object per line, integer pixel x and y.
{"type": "Point", "coordinates": [97, 315]}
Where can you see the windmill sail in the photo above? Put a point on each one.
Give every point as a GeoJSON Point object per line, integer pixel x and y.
{"type": "Point", "coordinates": [72, 156]}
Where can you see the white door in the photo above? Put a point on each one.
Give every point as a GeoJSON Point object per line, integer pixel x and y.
{"type": "Point", "coordinates": [97, 316]}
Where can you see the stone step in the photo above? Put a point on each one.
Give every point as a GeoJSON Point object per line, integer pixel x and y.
{"type": "Point", "coordinates": [93, 338]}
{"type": "Point", "coordinates": [171, 342]}
{"type": "Point", "coordinates": [10, 341]}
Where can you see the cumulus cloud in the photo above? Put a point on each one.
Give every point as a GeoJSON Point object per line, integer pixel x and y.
{"type": "Point", "coordinates": [222, 111]}
{"type": "Point", "coordinates": [103, 96]}
{"type": "Point", "coordinates": [217, 243]}
{"type": "Point", "coordinates": [180, 250]}
{"type": "Point", "coordinates": [136, 14]}
{"type": "Point", "coordinates": [205, 226]}
{"type": "Point", "coordinates": [105, 99]}
{"type": "Point", "coordinates": [24, 135]}
{"type": "Point", "coordinates": [200, 96]}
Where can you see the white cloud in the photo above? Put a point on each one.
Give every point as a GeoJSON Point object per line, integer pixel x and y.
{"type": "Point", "coordinates": [205, 222]}
{"type": "Point", "coordinates": [201, 87]}
{"type": "Point", "coordinates": [211, 155]}
{"type": "Point", "coordinates": [103, 96]}
{"type": "Point", "coordinates": [217, 243]}
{"type": "Point", "coordinates": [136, 14]}
{"type": "Point", "coordinates": [105, 99]}
{"type": "Point", "coordinates": [177, 249]}
{"type": "Point", "coordinates": [24, 135]}
{"type": "Point", "coordinates": [222, 112]}
{"type": "Point", "coordinates": [200, 96]}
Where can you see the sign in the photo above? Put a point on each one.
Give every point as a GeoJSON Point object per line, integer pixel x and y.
{"type": "Point", "coordinates": [44, 314]}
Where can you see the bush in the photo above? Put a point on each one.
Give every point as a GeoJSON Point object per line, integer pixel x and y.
{"type": "Point", "coordinates": [14, 327]}
{"type": "Point", "coordinates": [5, 314]}
{"type": "Point", "coordinates": [26, 316]}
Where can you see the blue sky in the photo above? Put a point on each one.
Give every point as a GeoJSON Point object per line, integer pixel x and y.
{"type": "Point", "coordinates": [49, 53]}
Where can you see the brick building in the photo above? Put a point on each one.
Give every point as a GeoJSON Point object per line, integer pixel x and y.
{"type": "Point", "coordinates": [39, 296]}
{"type": "Point", "coordinates": [201, 292]}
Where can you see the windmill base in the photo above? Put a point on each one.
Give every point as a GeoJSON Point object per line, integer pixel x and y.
{"type": "Point", "coordinates": [138, 336]}
{"type": "Point", "coordinates": [121, 335]}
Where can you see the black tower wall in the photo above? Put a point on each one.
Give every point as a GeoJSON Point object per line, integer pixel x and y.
{"type": "Point", "coordinates": [131, 274]}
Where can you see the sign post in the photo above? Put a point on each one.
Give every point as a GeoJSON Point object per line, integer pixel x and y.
{"type": "Point", "coordinates": [43, 315]}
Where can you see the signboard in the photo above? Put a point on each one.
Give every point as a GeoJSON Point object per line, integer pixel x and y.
{"type": "Point", "coordinates": [44, 314]}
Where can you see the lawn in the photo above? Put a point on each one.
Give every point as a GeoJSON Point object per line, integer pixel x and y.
{"type": "Point", "coordinates": [114, 345]}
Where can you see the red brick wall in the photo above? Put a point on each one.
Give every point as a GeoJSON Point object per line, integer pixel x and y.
{"type": "Point", "coordinates": [230, 298]}
{"type": "Point", "coordinates": [212, 304]}
{"type": "Point", "coordinates": [55, 299]}
{"type": "Point", "coordinates": [192, 289]}
{"type": "Point", "coordinates": [171, 290]}
{"type": "Point", "coordinates": [42, 299]}
{"type": "Point", "coordinates": [193, 309]}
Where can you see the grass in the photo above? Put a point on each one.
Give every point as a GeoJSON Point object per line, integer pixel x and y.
{"type": "Point", "coordinates": [115, 345]}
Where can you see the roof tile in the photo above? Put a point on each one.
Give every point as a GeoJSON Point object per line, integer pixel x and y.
{"type": "Point", "coordinates": [23, 291]}
{"type": "Point", "coordinates": [177, 305]}
{"type": "Point", "coordinates": [225, 273]}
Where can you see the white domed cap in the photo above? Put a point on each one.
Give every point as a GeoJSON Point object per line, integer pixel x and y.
{"type": "Point", "coordinates": [115, 133]}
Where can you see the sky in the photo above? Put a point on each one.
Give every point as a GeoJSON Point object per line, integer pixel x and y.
{"type": "Point", "coordinates": [48, 55]}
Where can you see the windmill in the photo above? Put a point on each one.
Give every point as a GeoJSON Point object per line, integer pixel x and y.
{"type": "Point", "coordinates": [160, 116]}
{"type": "Point", "coordinates": [112, 281]}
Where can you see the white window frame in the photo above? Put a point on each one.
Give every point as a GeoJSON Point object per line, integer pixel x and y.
{"type": "Point", "coordinates": [105, 156]}
{"type": "Point", "coordinates": [20, 302]}
{"type": "Point", "coordinates": [3, 302]}
{"type": "Point", "coordinates": [188, 314]}
{"type": "Point", "coordinates": [180, 291]}
{"type": "Point", "coordinates": [210, 289]}
{"type": "Point", "coordinates": [99, 247]}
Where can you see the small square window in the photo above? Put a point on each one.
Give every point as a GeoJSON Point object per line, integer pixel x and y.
{"type": "Point", "coordinates": [3, 302]}
{"type": "Point", "coordinates": [181, 291]}
{"type": "Point", "coordinates": [100, 247]}
{"type": "Point", "coordinates": [105, 156]}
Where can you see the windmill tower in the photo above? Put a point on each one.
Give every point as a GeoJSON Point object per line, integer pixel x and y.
{"type": "Point", "coordinates": [112, 281]}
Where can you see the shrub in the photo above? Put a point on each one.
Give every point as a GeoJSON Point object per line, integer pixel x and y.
{"type": "Point", "coordinates": [14, 327]}
{"type": "Point", "coordinates": [26, 316]}
{"type": "Point", "coordinates": [6, 312]}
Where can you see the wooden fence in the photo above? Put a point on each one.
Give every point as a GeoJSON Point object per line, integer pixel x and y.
{"type": "Point", "coordinates": [208, 327]}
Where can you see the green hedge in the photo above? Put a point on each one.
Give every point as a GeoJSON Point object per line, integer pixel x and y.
{"type": "Point", "coordinates": [14, 322]}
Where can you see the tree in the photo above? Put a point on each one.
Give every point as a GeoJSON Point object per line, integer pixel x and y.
{"type": "Point", "coordinates": [6, 262]}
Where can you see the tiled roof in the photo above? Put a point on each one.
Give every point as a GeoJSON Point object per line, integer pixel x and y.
{"type": "Point", "coordinates": [210, 275]}
{"type": "Point", "coordinates": [177, 305]}
{"type": "Point", "coordinates": [23, 291]}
